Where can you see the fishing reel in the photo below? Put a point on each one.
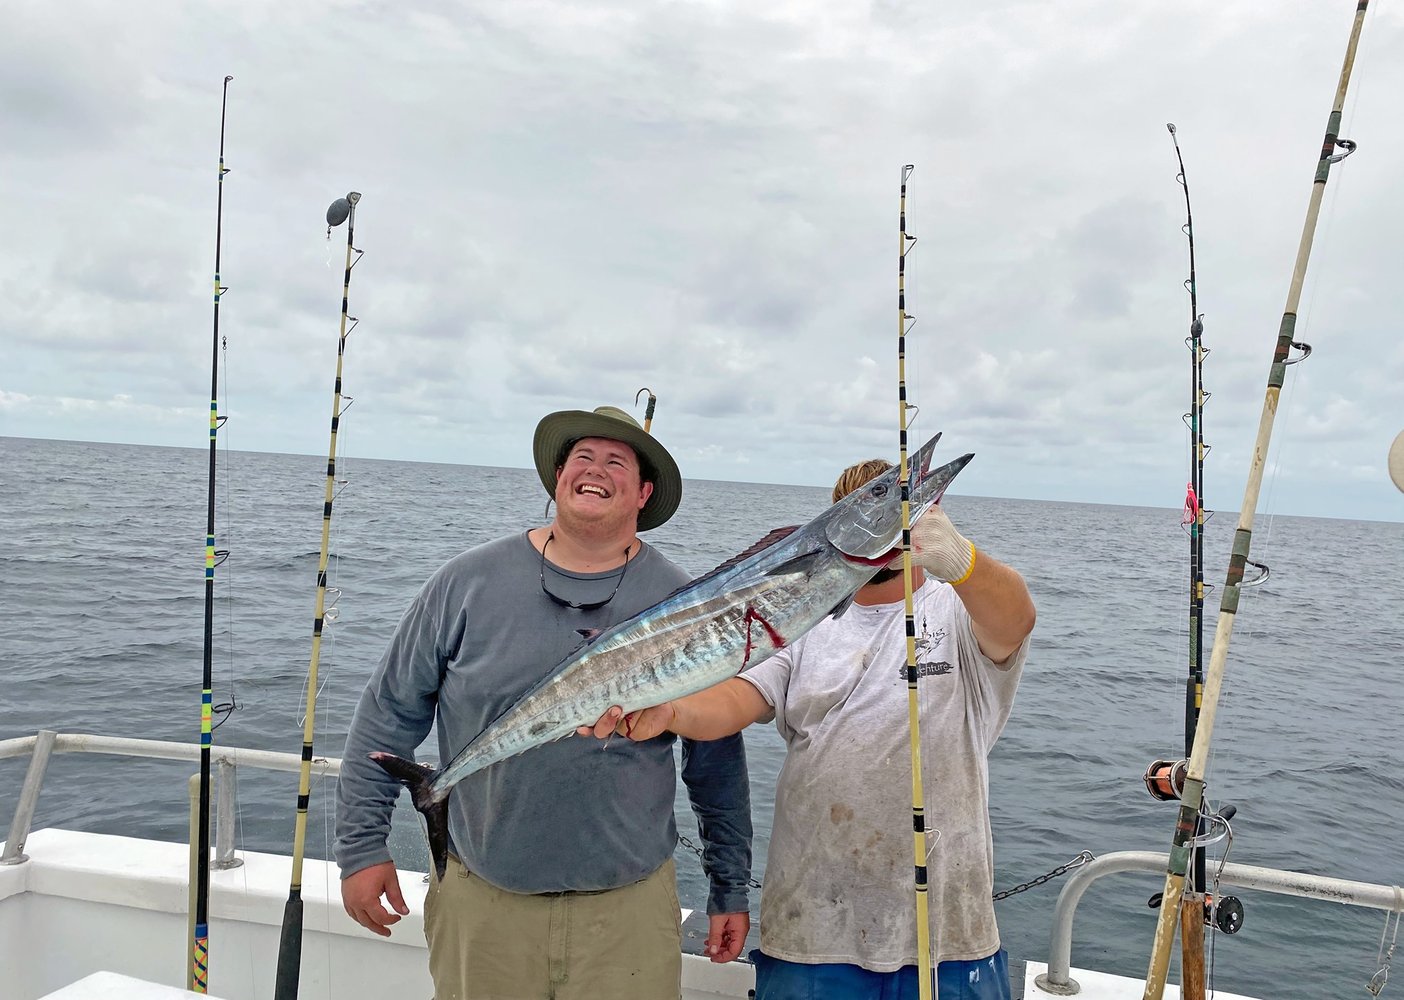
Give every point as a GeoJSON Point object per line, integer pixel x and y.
{"type": "Point", "coordinates": [1223, 912]}
{"type": "Point", "coordinates": [1165, 779]}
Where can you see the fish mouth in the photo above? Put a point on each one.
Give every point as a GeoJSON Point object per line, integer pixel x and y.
{"type": "Point", "coordinates": [932, 486]}
{"type": "Point", "coordinates": [878, 561]}
{"type": "Point", "coordinates": [871, 536]}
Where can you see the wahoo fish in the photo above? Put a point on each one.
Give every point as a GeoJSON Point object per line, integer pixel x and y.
{"type": "Point", "coordinates": [713, 628]}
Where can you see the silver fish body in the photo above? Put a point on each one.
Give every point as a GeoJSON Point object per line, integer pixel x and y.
{"type": "Point", "coordinates": [710, 630]}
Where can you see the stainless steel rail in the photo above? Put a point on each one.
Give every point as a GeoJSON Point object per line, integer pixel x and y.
{"type": "Point", "coordinates": [1057, 980]}
{"type": "Point", "coordinates": [40, 747]}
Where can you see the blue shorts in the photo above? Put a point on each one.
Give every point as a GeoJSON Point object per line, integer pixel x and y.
{"type": "Point", "coordinates": [982, 979]}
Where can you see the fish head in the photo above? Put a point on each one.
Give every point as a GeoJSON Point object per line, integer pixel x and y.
{"type": "Point", "coordinates": [866, 525]}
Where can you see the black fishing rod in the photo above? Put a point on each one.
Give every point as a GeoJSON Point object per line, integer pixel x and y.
{"type": "Point", "coordinates": [1192, 796]}
{"type": "Point", "coordinates": [290, 942]}
{"type": "Point", "coordinates": [198, 978]}
{"type": "Point", "coordinates": [1194, 494]}
{"type": "Point", "coordinates": [926, 978]}
{"type": "Point", "coordinates": [1161, 776]}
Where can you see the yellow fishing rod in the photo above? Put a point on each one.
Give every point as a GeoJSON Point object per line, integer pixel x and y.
{"type": "Point", "coordinates": [1192, 796]}
{"type": "Point", "coordinates": [290, 943]}
{"type": "Point", "coordinates": [926, 985]}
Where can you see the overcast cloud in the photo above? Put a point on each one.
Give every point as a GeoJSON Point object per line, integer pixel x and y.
{"type": "Point", "coordinates": [565, 202]}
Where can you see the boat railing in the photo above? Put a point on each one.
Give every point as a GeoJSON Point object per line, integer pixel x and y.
{"type": "Point", "coordinates": [43, 745]}
{"type": "Point", "coordinates": [1058, 981]}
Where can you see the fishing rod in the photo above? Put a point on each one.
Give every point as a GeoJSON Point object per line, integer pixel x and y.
{"type": "Point", "coordinates": [198, 976]}
{"type": "Point", "coordinates": [648, 410]}
{"type": "Point", "coordinates": [1194, 493]}
{"type": "Point", "coordinates": [1163, 778]}
{"type": "Point", "coordinates": [926, 982]}
{"type": "Point", "coordinates": [1192, 796]}
{"type": "Point", "coordinates": [290, 943]}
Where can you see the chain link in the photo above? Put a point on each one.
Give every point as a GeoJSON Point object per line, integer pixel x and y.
{"type": "Point", "coordinates": [1076, 862]}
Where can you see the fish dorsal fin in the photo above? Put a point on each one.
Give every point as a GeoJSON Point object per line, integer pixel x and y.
{"type": "Point", "coordinates": [775, 537]}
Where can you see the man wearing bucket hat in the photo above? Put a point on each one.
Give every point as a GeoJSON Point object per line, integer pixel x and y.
{"type": "Point", "coordinates": [560, 878]}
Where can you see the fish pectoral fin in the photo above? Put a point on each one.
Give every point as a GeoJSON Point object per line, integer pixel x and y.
{"type": "Point", "coordinates": [795, 564]}
{"type": "Point", "coordinates": [842, 606]}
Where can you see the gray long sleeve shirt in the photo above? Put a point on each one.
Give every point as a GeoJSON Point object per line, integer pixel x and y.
{"type": "Point", "coordinates": [576, 814]}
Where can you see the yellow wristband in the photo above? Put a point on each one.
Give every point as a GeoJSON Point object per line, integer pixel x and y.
{"type": "Point", "coordinates": [969, 569]}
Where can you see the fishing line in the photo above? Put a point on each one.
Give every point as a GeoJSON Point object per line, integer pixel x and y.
{"type": "Point", "coordinates": [252, 964]}
{"type": "Point", "coordinates": [1385, 955]}
{"type": "Point", "coordinates": [223, 710]}
{"type": "Point", "coordinates": [915, 382]}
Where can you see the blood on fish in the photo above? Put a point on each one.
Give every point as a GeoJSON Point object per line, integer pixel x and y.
{"type": "Point", "coordinates": [775, 637]}
{"type": "Point", "coordinates": [881, 560]}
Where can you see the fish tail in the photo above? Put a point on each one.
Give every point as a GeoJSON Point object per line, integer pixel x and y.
{"type": "Point", "coordinates": [418, 779]}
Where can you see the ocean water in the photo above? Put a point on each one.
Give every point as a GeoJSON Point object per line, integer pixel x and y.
{"type": "Point", "coordinates": [101, 630]}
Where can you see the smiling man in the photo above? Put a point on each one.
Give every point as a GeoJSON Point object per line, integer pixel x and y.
{"type": "Point", "coordinates": [583, 904]}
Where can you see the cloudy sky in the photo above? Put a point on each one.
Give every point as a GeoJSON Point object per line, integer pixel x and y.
{"type": "Point", "coordinates": [566, 202]}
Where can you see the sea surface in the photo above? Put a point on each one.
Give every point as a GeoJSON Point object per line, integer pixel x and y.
{"type": "Point", "coordinates": [101, 630]}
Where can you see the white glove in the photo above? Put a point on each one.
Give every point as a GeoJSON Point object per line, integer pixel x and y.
{"type": "Point", "coordinates": [941, 550]}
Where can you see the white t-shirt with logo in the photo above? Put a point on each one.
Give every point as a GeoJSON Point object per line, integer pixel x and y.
{"type": "Point", "coordinates": [839, 880]}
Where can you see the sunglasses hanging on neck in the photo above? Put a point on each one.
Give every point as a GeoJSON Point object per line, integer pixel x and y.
{"type": "Point", "coordinates": [582, 605]}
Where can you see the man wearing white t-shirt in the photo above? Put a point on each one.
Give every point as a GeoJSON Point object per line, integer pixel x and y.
{"type": "Point", "coordinates": [837, 918]}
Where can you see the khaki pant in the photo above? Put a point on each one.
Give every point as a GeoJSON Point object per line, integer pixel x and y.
{"type": "Point", "coordinates": [489, 944]}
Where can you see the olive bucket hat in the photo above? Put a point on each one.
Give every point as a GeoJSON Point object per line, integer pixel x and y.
{"type": "Point", "coordinates": [558, 431]}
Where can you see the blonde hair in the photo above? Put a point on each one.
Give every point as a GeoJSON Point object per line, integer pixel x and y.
{"type": "Point", "coordinates": [859, 475]}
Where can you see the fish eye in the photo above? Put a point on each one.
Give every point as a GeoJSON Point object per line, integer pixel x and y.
{"type": "Point", "coordinates": [880, 490]}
